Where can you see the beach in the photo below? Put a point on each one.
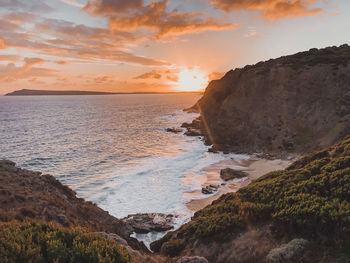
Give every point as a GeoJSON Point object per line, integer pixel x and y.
{"type": "Point", "coordinates": [254, 167]}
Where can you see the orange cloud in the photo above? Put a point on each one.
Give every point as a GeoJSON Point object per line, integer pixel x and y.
{"type": "Point", "coordinates": [156, 74]}
{"type": "Point", "coordinates": [216, 75]}
{"type": "Point", "coordinates": [74, 41]}
{"type": "Point", "coordinates": [271, 9]}
{"type": "Point", "coordinates": [134, 15]}
{"type": "Point", "coordinates": [11, 72]}
{"type": "Point", "coordinates": [2, 44]}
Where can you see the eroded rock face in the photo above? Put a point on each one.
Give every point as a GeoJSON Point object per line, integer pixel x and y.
{"type": "Point", "coordinates": [151, 222]}
{"type": "Point", "coordinates": [229, 174]}
{"type": "Point", "coordinates": [297, 103]}
{"type": "Point", "coordinates": [291, 252]}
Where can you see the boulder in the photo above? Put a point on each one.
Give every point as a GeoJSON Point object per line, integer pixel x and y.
{"type": "Point", "coordinates": [229, 174]}
{"type": "Point", "coordinates": [174, 130]}
{"type": "Point", "coordinates": [291, 252]}
{"type": "Point", "coordinates": [116, 238]}
{"type": "Point", "coordinates": [151, 222]}
{"type": "Point", "coordinates": [192, 260]}
{"type": "Point", "coordinates": [193, 132]}
{"type": "Point", "coordinates": [210, 189]}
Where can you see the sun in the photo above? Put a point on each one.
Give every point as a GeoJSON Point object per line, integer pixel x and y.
{"type": "Point", "coordinates": [191, 80]}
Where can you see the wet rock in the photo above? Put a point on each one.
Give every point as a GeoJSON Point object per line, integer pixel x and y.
{"type": "Point", "coordinates": [210, 189]}
{"type": "Point", "coordinates": [193, 132]}
{"type": "Point", "coordinates": [174, 130]}
{"type": "Point", "coordinates": [291, 252]}
{"type": "Point", "coordinates": [229, 174]}
{"type": "Point", "coordinates": [151, 222]}
{"type": "Point", "coordinates": [213, 149]}
{"type": "Point", "coordinates": [192, 260]}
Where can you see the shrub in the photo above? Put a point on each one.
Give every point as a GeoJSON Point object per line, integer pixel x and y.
{"type": "Point", "coordinates": [37, 243]}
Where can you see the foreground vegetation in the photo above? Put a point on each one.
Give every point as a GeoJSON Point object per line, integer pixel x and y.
{"type": "Point", "coordinates": [310, 199]}
{"type": "Point", "coordinates": [36, 243]}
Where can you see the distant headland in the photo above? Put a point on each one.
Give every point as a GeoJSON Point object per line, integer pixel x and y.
{"type": "Point", "coordinates": [30, 92]}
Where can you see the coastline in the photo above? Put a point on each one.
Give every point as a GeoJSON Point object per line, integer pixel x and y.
{"type": "Point", "coordinates": [254, 167]}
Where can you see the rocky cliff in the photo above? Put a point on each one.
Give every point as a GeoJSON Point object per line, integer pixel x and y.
{"type": "Point", "coordinates": [295, 103]}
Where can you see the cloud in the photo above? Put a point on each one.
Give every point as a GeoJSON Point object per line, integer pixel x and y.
{"type": "Point", "coordinates": [111, 7]}
{"type": "Point", "coordinates": [2, 44]}
{"type": "Point", "coordinates": [154, 16]}
{"type": "Point", "coordinates": [11, 72]}
{"type": "Point", "coordinates": [158, 74]}
{"type": "Point", "coordinates": [61, 62]}
{"type": "Point", "coordinates": [271, 9]}
{"type": "Point", "coordinates": [35, 6]}
{"type": "Point", "coordinates": [216, 75]}
{"type": "Point", "coordinates": [12, 58]}
{"type": "Point", "coordinates": [73, 3]}
{"type": "Point", "coordinates": [75, 41]}
{"type": "Point", "coordinates": [150, 75]}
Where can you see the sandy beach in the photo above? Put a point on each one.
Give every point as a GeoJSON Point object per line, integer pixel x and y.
{"type": "Point", "coordinates": [254, 167]}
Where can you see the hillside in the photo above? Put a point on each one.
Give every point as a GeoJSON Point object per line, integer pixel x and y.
{"type": "Point", "coordinates": [301, 214]}
{"type": "Point", "coordinates": [296, 103]}
{"type": "Point", "coordinates": [30, 92]}
{"type": "Point", "coordinates": [31, 196]}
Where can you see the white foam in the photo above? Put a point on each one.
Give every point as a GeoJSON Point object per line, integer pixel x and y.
{"type": "Point", "coordinates": [161, 183]}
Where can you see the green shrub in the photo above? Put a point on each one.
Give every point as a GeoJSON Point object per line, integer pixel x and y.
{"type": "Point", "coordinates": [37, 243]}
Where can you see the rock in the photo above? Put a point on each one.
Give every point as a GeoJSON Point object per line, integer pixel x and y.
{"type": "Point", "coordinates": [193, 132]}
{"type": "Point", "coordinates": [213, 149]}
{"type": "Point", "coordinates": [7, 165]}
{"type": "Point", "coordinates": [174, 130]}
{"type": "Point", "coordinates": [229, 174]}
{"type": "Point", "coordinates": [291, 252]}
{"type": "Point", "coordinates": [210, 189]}
{"type": "Point", "coordinates": [151, 222]}
{"type": "Point", "coordinates": [192, 260]}
{"type": "Point", "coordinates": [118, 239]}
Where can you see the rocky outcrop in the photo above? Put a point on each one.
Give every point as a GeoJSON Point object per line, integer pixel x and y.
{"type": "Point", "coordinates": [229, 174]}
{"type": "Point", "coordinates": [151, 222]}
{"type": "Point", "coordinates": [210, 189]}
{"type": "Point", "coordinates": [296, 103]}
{"type": "Point", "coordinates": [174, 130]}
{"type": "Point", "coordinates": [291, 252]}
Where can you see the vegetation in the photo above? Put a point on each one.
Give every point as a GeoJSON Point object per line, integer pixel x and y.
{"type": "Point", "coordinates": [309, 199]}
{"type": "Point", "coordinates": [36, 243]}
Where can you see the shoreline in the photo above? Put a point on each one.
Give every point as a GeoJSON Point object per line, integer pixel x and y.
{"type": "Point", "coordinates": [254, 167]}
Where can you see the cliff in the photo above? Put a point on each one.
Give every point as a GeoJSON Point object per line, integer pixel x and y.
{"type": "Point", "coordinates": [296, 103]}
{"type": "Point", "coordinates": [300, 214]}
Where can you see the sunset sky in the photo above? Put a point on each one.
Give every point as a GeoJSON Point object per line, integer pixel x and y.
{"type": "Point", "coordinates": [161, 45]}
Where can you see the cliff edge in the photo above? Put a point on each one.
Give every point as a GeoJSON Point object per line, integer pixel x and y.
{"type": "Point", "coordinates": [296, 103]}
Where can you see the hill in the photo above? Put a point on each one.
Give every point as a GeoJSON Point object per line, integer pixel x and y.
{"type": "Point", "coordinates": [300, 214]}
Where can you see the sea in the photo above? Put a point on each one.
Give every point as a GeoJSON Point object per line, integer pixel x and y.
{"type": "Point", "coordinates": [112, 150]}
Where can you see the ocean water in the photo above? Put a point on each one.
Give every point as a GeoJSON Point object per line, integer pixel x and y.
{"type": "Point", "coordinates": [112, 150]}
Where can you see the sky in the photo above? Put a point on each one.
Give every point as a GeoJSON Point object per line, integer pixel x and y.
{"type": "Point", "coordinates": [155, 45]}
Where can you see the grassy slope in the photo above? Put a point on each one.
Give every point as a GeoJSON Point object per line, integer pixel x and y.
{"type": "Point", "coordinates": [310, 199]}
{"type": "Point", "coordinates": [36, 242]}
